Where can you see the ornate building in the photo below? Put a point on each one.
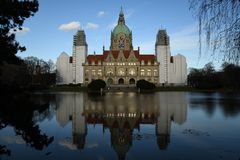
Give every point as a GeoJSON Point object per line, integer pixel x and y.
{"type": "Point", "coordinates": [120, 115]}
{"type": "Point", "coordinates": [121, 64]}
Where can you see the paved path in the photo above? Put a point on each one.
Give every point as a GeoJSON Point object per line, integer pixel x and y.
{"type": "Point", "coordinates": [122, 88]}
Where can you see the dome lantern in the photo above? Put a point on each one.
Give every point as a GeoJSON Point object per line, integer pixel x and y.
{"type": "Point", "coordinates": [121, 27]}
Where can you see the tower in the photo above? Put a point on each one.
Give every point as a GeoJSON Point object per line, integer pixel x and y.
{"type": "Point", "coordinates": [162, 52]}
{"type": "Point", "coordinates": [121, 36]}
{"type": "Point", "coordinates": [64, 69]}
{"type": "Point", "coordinates": [79, 127]}
{"type": "Point", "coordinates": [80, 48]}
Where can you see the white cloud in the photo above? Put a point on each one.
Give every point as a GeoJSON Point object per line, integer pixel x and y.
{"type": "Point", "coordinates": [67, 144]}
{"type": "Point", "coordinates": [91, 145]}
{"type": "Point", "coordinates": [101, 13]}
{"type": "Point", "coordinates": [74, 25]}
{"type": "Point", "coordinates": [92, 26]}
{"type": "Point", "coordinates": [185, 39]}
{"type": "Point", "coordinates": [129, 13]}
{"type": "Point", "coordinates": [16, 30]}
{"type": "Point", "coordinates": [12, 140]}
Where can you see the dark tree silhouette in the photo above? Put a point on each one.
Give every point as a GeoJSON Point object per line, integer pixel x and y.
{"type": "Point", "coordinates": [19, 112]}
{"type": "Point", "coordinates": [231, 75]}
{"type": "Point", "coordinates": [219, 23]}
{"type": "Point", "coordinates": [35, 64]}
{"type": "Point", "coordinates": [207, 78]}
{"type": "Point", "coordinates": [4, 150]}
{"type": "Point", "coordinates": [145, 85]}
{"type": "Point", "coordinates": [12, 15]}
{"type": "Point", "coordinates": [96, 85]}
{"type": "Point", "coordinates": [41, 72]}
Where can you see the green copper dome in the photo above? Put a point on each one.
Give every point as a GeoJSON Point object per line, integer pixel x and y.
{"type": "Point", "coordinates": [121, 28]}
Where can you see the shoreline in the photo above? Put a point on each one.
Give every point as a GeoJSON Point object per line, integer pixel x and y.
{"type": "Point", "coordinates": [157, 89]}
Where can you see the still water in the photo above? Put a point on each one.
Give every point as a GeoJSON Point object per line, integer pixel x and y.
{"type": "Point", "coordinates": [164, 125]}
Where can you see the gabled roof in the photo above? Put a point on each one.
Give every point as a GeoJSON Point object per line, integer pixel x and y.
{"type": "Point", "coordinates": [63, 54]}
{"type": "Point", "coordinates": [102, 57]}
{"type": "Point", "coordinates": [146, 57]}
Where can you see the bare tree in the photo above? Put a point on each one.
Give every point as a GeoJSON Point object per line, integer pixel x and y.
{"type": "Point", "coordinates": [51, 66]}
{"type": "Point", "coordinates": [36, 65]}
{"type": "Point", "coordinates": [219, 24]}
{"type": "Point", "coordinates": [31, 63]}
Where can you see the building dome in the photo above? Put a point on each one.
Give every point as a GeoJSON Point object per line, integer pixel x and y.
{"type": "Point", "coordinates": [121, 28]}
{"type": "Point", "coordinates": [121, 36]}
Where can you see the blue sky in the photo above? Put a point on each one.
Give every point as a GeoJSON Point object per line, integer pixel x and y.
{"type": "Point", "coordinates": [51, 30]}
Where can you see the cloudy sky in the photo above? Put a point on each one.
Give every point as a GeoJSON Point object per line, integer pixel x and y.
{"type": "Point", "coordinates": [51, 30]}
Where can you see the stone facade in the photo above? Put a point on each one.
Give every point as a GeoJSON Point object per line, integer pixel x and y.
{"type": "Point", "coordinates": [121, 67]}
{"type": "Point", "coordinates": [121, 64]}
{"type": "Point", "coordinates": [121, 115]}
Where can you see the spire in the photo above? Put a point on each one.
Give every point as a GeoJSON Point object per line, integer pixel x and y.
{"type": "Point", "coordinates": [121, 11]}
{"type": "Point", "coordinates": [121, 20]}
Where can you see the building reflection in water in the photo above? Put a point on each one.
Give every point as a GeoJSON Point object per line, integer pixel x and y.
{"type": "Point", "coordinates": [70, 108]}
{"type": "Point", "coordinates": [121, 113]}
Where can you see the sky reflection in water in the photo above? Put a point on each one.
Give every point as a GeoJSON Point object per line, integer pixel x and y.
{"type": "Point", "coordinates": [167, 125]}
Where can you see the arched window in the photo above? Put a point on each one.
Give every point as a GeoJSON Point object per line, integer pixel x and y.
{"type": "Point", "coordinates": [121, 72]}
{"type": "Point", "coordinates": [132, 81]}
{"type": "Point", "coordinates": [131, 72]}
{"type": "Point", "coordinates": [121, 81]}
{"type": "Point", "coordinates": [110, 81]}
{"type": "Point", "coordinates": [110, 72]}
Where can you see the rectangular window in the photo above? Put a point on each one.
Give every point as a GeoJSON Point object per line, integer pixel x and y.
{"type": "Point", "coordinates": [93, 72]}
{"type": "Point", "coordinates": [100, 72]}
{"type": "Point", "coordinates": [155, 72]}
{"type": "Point", "coordinates": [148, 72]}
{"type": "Point", "coordinates": [142, 72]}
{"type": "Point", "coordinates": [86, 73]}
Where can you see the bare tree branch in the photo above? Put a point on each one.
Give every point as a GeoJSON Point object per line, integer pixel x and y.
{"type": "Point", "coordinates": [219, 27]}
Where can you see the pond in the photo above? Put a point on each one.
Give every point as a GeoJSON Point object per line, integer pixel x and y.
{"type": "Point", "coordinates": [163, 125]}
